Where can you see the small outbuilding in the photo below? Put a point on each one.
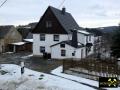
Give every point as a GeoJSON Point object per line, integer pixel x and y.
{"type": "Point", "coordinates": [20, 46]}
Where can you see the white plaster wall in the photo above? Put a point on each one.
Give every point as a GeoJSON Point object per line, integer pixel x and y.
{"type": "Point", "coordinates": [56, 52]}
{"type": "Point", "coordinates": [47, 43]}
{"type": "Point", "coordinates": [78, 53]}
{"type": "Point", "coordinates": [81, 38]}
{"type": "Point", "coordinates": [92, 39]}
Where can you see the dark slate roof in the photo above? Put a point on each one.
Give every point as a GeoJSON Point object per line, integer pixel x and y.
{"type": "Point", "coordinates": [4, 30]}
{"type": "Point", "coordinates": [69, 42]}
{"type": "Point", "coordinates": [29, 36]}
{"type": "Point", "coordinates": [66, 20]}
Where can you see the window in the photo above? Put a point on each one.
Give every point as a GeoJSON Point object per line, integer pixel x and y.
{"type": "Point", "coordinates": [42, 37]}
{"type": "Point", "coordinates": [48, 24]}
{"type": "Point", "coordinates": [56, 37]}
{"type": "Point", "coordinates": [62, 45]}
{"type": "Point", "coordinates": [73, 54]}
{"type": "Point", "coordinates": [63, 52]}
{"type": "Point", "coordinates": [42, 49]}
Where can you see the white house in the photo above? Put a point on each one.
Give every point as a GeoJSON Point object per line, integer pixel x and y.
{"type": "Point", "coordinates": [74, 48]}
{"type": "Point", "coordinates": [55, 28]}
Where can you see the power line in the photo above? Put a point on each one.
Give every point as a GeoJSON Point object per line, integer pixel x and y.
{"type": "Point", "coordinates": [61, 3]}
{"type": "Point", "coordinates": [3, 3]}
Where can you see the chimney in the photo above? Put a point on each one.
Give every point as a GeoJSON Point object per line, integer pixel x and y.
{"type": "Point", "coordinates": [74, 39]}
{"type": "Point", "coordinates": [63, 10]}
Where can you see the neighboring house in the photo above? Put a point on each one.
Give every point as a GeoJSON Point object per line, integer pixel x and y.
{"type": "Point", "coordinates": [97, 39]}
{"type": "Point", "coordinates": [57, 27]}
{"type": "Point", "coordinates": [79, 47]}
{"type": "Point", "coordinates": [25, 45]}
{"type": "Point", "coordinates": [8, 34]}
{"type": "Point", "coordinates": [27, 39]}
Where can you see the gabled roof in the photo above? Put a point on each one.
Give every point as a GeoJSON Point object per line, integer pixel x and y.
{"type": "Point", "coordinates": [66, 20]}
{"type": "Point", "coordinates": [4, 30]}
{"type": "Point", "coordinates": [69, 42]}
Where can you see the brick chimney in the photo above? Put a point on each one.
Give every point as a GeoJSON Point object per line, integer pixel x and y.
{"type": "Point", "coordinates": [63, 10]}
{"type": "Point", "coordinates": [74, 39]}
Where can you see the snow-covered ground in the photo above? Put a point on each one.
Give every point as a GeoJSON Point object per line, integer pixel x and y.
{"type": "Point", "coordinates": [58, 72]}
{"type": "Point", "coordinates": [32, 80]}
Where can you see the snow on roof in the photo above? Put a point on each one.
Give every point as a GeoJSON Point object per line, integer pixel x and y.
{"type": "Point", "coordinates": [18, 43]}
{"type": "Point", "coordinates": [29, 40]}
{"type": "Point", "coordinates": [79, 44]}
{"type": "Point", "coordinates": [84, 32]}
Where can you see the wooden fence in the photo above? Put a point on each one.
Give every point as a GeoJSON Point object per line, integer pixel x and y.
{"type": "Point", "coordinates": [92, 68]}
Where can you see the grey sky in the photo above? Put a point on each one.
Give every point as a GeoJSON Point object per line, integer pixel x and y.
{"type": "Point", "coordinates": [88, 13]}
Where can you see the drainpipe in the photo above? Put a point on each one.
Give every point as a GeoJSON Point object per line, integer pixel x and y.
{"type": "Point", "coordinates": [14, 48]}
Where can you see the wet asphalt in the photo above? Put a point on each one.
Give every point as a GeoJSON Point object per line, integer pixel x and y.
{"type": "Point", "coordinates": [34, 63]}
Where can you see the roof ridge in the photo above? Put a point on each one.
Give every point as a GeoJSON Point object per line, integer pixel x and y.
{"type": "Point", "coordinates": [58, 9]}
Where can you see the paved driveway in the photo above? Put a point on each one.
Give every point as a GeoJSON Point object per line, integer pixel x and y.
{"type": "Point", "coordinates": [35, 63]}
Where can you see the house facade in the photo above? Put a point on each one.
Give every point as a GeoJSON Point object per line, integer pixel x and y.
{"type": "Point", "coordinates": [8, 34]}
{"type": "Point", "coordinates": [73, 48]}
{"type": "Point", "coordinates": [44, 41]}
{"type": "Point", "coordinates": [51, 29]}
{"type": "Point", "coordinates": [57, 27]}
{"type": "Point", "coordinates": [98, 40]}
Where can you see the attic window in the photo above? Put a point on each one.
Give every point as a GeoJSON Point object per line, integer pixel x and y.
{"type": "Point", "coordinates": [48, 24]}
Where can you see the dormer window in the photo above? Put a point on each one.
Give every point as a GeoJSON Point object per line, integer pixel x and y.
{"type": "Point", "coordinates": [48, 24]}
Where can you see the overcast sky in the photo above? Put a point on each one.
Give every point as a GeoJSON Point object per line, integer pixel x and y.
{"type": "Point", "coordinates": [87, 13]}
